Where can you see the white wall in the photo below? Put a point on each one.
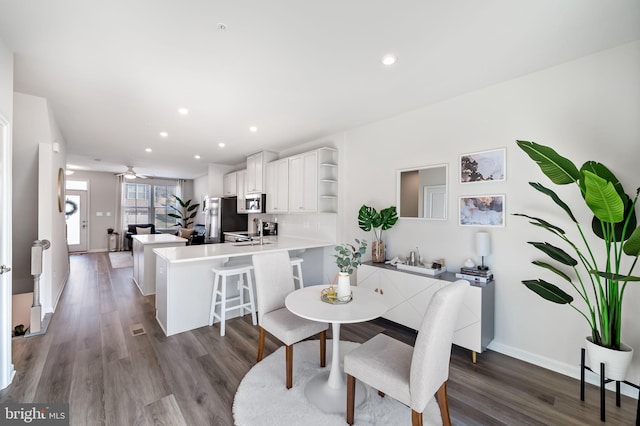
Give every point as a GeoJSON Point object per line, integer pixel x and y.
{"type": "Point", "coordinates": [587, 109]}
{"type": "Point", "coordinates": [51, 225]}
{"type": "Point", "coordinates": [6, 82]}
{"type": "Point", "coordinates": [200, 190]}
{"type": "Point", "coordinates": [30, 127]}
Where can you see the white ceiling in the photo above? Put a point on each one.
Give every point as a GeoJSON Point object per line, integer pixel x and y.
{"type": "Point", "coordinates": [115, 72]}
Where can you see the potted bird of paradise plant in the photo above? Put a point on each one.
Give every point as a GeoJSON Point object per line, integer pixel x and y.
{"type": "Point", "coordinates": [598, 277]}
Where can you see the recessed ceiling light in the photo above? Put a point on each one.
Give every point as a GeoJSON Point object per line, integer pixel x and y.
{"type": "Point", "coordinates": [221, 26]}
{"type": "Point", "coordinates": [253, 129]}
{"type": "Point", "coordinates": [183, 111]}
{"type": "Point", "coordinates": [148, 149]}
{"type": "Point", "coordinates": [389, 60]}
{"type": "Point", "coordinates": [221, 145]}
{"type": "Point", "coordinates": [197, 157]}
{"type": "Point", "coordinates": [164, 134]}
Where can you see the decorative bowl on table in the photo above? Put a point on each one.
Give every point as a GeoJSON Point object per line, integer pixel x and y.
{"type": "Point", "coordinates": [329, 295]}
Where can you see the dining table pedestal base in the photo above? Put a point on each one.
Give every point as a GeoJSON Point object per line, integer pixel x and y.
{"type": "Point", "coordinates": [331, 400]}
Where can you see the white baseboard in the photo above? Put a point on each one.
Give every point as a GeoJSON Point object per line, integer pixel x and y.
{"type": "Point", "coordinates": [570, 370]}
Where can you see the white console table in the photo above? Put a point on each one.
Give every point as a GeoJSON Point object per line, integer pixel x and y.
{"type": "Point", "coordinates": [408, 294]}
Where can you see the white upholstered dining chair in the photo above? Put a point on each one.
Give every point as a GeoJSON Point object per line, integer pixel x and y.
{"type": "Point", "coordinates": [411, 375]}
{"type": "Point", "coordinates": [274, 281]}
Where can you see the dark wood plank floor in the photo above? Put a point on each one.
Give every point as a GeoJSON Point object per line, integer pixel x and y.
{"type": "Point", "coordinates": [90, 358]}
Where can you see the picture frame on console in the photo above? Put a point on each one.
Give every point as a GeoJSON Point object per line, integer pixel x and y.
{"type": "Point", "coordinates": [483, 166]}
{"type": "Point", "coordinates": [482, 210]}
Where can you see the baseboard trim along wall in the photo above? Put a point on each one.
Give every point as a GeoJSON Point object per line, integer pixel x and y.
{"type": "Point", "coordinates": [570, 370]}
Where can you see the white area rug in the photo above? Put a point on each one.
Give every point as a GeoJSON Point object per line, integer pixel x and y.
{"type": "Point", "coordinates": [121, 259]}
{"type": "Point", "coordinates": [262, 398]}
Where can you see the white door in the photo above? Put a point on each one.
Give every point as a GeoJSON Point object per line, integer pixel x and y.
{"type": "Point", "coordinates": [77, 221]}
{"type": "Point", "coordinates": [6, 367]}
{"type": "Point", "coordinates": [435, 202]}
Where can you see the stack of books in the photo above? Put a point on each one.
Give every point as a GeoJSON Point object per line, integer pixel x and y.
{"type": "Point", "coordinates": [474, 274]}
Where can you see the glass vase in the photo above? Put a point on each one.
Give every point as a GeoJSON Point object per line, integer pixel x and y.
{"type": "Point", "coordinates": [377, 251]}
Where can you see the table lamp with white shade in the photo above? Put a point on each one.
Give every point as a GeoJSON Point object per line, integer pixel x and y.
{"type": "Point", "coordinates": [483, 247]}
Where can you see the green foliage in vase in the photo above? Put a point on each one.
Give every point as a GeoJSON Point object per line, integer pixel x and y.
{"type": "Point", "coordinates": [349, 257]}
{"type": "Point", "coordinates": [185, 213]}
{"type": "Point", "coordinates": [369, 218]}
{"type": "Point", "coordinates": [600, 283]}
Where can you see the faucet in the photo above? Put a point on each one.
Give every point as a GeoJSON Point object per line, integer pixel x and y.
{"type": "Point", "coordinates": [260, 226]}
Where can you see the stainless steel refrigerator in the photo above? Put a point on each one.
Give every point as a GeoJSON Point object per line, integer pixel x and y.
{"type": "Point", "coordinates": [220, 215]}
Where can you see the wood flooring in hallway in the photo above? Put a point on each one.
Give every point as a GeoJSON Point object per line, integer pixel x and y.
{"type": "Point", "coordinates": [90, 358]}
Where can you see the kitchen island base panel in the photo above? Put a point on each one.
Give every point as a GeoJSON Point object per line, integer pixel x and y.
{"type": "Point", "coordinates": [186, 304]}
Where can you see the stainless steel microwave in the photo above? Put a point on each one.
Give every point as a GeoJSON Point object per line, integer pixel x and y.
{"type": "Point", "coordinates": [255, 203]}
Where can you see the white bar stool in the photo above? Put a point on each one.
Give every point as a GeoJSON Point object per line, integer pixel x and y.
{"type": "Point", "coordinates": [220, 275]}
{"type": "Point", "coordinates": [296, 264]}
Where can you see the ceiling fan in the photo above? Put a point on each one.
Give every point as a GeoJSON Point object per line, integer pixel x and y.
{"type": "Point", "coordinates": [131, 174]}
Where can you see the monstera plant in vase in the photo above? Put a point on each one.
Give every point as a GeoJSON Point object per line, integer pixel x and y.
{"type": "Point", "coordinates": [598, 275]}
{"type": "Point", "coordinates": [369, 218]}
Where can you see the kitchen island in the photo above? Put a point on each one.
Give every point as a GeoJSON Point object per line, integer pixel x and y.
{"type": "Point", "coordinates": [184, 281]}
{"type": "Point", "coordinates": [144, 259]}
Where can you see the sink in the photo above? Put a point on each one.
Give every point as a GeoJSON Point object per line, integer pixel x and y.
{"type": "Point", "coordinates": [254, 243]}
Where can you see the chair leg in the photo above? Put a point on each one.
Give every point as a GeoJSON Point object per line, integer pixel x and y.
{"type": "Point", "coordinates": [443, 402]}
{"type": "Point", "coordinates": [289, 356]}
{"type": "Point", "coordinates": [260, 345]}
{"type": "Point", "coordinates": [323, 348]}
{"type": "Point", "coordinates": [223, 306]}
{"type": "Point", "coordinates": [416, 418]}
{"type": "Point", "coordinates": [351, 398]}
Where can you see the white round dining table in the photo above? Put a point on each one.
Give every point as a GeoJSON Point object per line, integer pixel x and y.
{"type": "Point", "coordinates": [328, 390]}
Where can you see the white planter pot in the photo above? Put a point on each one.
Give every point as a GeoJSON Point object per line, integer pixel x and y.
{"type": "Point", "coordinates": [615, 362]}
{"type": "Point", "coordinates": [344, 285]}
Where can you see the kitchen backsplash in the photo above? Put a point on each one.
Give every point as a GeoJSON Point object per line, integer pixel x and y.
{"type": "Point", "coordinates": [314, 226]}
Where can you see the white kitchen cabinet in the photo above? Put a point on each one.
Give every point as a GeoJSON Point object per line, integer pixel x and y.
{"type": "Point", "coordinates": [230, 184]}
{"type": "Point", "coordinates": [241, 191]}
{"type": "Point", "coordinates": [278, 186]}
{"type": "Point", "coordinates": [256, 171]}
{"type": "Point", "coordinates": [408, 294]}
{"type": "Point", "coordinates": [303, 183]}
{"type": "Point", "coordinates": [313, 182]}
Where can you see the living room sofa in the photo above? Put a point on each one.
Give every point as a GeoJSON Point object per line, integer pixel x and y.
{"type": "Point", "coordinates": [133, 230]}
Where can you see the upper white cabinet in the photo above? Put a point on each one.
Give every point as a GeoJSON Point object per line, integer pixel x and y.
{"type": "Point", "coordinates": [313, 182]}
{"type": "Point", "coordinates": [278, 186]}
{"type": "Point", "coordinates": [256, 171]}
{"type": "Point", "coordinates": [241, 191]}
{"type": "Point", "coordinates": [229, 184]}
{"type": "Point", "coordinates": [303, 183]}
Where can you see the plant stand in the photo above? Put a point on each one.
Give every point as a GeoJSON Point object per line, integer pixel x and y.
{"type": "Point", "coordinates": [603, 382]}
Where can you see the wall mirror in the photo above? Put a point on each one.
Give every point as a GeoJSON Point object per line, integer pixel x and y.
{"type": "Point", "coordinates": [423, 192]}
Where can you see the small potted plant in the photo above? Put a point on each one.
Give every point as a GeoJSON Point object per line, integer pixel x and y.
{"type": "Point", "coordinates": [348, 258]}
{"type": "Point", "coordinates": [369, 218]}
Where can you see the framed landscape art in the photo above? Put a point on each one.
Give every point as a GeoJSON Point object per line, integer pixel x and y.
{"type": "Point", "coordinates": [483, 166]}
{"type": "Point", "coordinates": [481, 210]}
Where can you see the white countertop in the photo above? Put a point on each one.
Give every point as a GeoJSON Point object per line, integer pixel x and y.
{"type": "Point", "coordinates": [158, 238]}
{"type": "Point", "coordinates": [217, 251]}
